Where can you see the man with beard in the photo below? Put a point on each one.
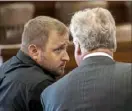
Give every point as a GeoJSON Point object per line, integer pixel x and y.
{"type": "Point", "coordinates": [41, 59]}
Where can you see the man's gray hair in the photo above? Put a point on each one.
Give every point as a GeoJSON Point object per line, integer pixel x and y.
{"type": "Point", "coordinates": [94, 28]}
{"type": "Point", "coordinates": [37, 30]}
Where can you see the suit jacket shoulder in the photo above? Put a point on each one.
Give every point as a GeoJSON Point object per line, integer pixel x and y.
{"type": "Point", "coordinates": [98, 83]}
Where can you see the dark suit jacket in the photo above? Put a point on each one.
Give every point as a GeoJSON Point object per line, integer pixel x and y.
{"type": "Point", "coordinates": [21, 83]}
{"type": "Point", "coordinates": [98, 84]}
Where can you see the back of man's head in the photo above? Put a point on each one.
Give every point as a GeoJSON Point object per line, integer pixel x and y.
{"type": "Point", "coordinates": [94, 28]}
{"type": "Point", "coordinates": [37, 30]}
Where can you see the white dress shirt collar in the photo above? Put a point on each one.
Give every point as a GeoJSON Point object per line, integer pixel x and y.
{"type": "Point", "coordinates": [97, 54]}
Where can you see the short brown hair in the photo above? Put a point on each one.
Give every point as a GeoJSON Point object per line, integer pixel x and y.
{"type": "Point", "coordinates": [36, 31]}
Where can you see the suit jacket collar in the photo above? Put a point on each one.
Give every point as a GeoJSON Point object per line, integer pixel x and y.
{"type": "Point", "coordinates": [101, 60]}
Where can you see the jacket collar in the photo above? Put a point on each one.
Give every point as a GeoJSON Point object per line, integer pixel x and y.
{"type": "Point", "coordinates": [25, 58]}
{"type": "Point", "coordinates": [28, 60]}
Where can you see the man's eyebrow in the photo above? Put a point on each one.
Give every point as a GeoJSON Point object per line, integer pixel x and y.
{"type": "Point", "coordinates": [61, 45]}
{"type": "Point", "coordinates": [65, 43]}
{"type": "Point", "coordinates": [68, 42]}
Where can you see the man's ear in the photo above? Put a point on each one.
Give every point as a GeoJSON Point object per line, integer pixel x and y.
{"type": "Point", "coordinates": [33, 51]}
{"type": "Point", "coordinates": [78, 50]}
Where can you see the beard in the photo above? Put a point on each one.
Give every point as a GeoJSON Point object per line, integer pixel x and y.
{"type": "Point", "coordinates": [57, 72]}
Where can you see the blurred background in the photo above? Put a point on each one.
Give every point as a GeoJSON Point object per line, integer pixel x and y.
{"type": "Point", "coordinates": [13, 16]}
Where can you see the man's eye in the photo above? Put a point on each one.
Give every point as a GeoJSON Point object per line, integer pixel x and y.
{"type": "Point", "coordinates": [58, 49]}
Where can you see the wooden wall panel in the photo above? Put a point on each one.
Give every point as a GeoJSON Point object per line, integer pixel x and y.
{"type": "Point", "coordinates": [44, 8]}
{"type": "Point", "coordinates": [119, 11]}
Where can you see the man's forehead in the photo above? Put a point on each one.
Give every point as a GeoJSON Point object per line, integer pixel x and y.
{"type": "Point", "coordinates": [58, 37]}
{"type": "Point", "coordinates": [58, 42]}
{"type": "Point", "coordinates": [62, 43]}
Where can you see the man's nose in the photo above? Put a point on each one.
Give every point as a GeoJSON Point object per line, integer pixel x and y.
{"type": "Point", "coordinates": [66, 57]}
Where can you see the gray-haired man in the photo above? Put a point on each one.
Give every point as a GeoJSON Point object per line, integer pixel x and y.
{"type": "Point", "coordinates": [98, 83]}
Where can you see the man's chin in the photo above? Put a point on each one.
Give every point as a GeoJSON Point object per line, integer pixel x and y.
{"type": "Point", "coordinates": [60, 74]}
